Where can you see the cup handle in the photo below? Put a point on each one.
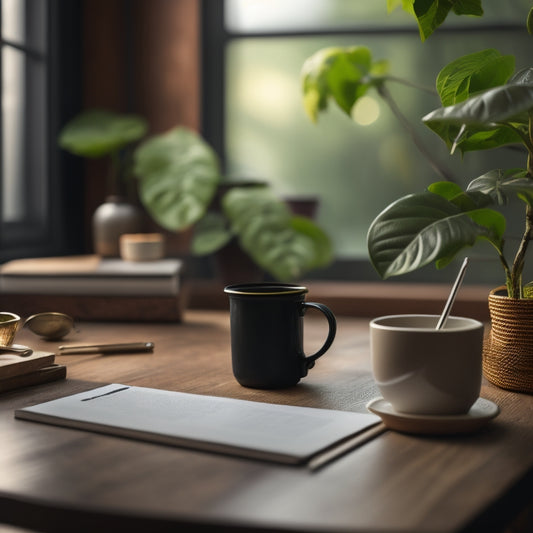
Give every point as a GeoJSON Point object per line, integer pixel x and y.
{"type": "Point", "coordinates": [309, 361]}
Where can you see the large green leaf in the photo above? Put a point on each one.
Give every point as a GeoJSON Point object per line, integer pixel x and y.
{"type": "Point", "coordinates": [323, 249]}
{"type": "Point", "coordinates": [475, 124]}
{"type": "Point", "coordinates": [430, 14]}
{"type": "Point", "coordinates": [473, 73]}
{"type": "Point", "coordinates": [419, 229]}
{"type": "Point", "coordinates": [98, 133]}
{"type": "Point", "coordinates": [343, 74]}
{"type": "Point", "coordinates": [210, 234]}
{"type": "Point", "coordinates": [178, 175]}
{"type": "Point", "coordinates": [283, 245]}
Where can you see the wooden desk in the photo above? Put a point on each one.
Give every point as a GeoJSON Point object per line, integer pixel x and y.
{"type": "Point", "coordinates": [60, 479]}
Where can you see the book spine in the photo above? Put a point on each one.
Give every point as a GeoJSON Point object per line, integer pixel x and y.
{"type": "Point", "coordinates": [81, 285]}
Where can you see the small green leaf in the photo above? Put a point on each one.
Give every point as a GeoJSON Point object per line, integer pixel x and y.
{"type": "Point", "coordinates": [522, 77]}
{"type": "Point", "coordinates": [419, 229]}
{"type": "Point", "coordinates": [468, 7]}
{"type": "Point", "coordinates": [341, 74]}
{"type": "Point", "coordinates": [380, 68]}
{"type": "Point", "coordinates": [393, 4]}
{"type": "Point", "coordinates": [446, 189]}
{"type": "Point", "coordinates": [178, 175]}
{"type": "Point", "coordinates": [430, 14]}
{"type": "Point", "coordinates": [503, 185]}
{"type": "Point", "coordinates": [529, 22]}
{"type": "Point", "coordinates": [528, 290]}
{"type": "Point", "coordinates": [97, 133]}
{"type": "Point", "coordinates": [466, 201]}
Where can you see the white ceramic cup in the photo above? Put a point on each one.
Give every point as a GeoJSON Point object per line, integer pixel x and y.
{"type": "Point", "coordinates": [422, 370]}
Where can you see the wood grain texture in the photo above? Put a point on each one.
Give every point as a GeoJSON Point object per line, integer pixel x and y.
{"type": "Point", "coordinates": [35, 377]}
{"type": "Point", "coordinates": [59, 479]}
{"type": "Point", "coordinates": [13, 365]}
{"type": "Point", "coordinates": [104, 308]}
{"type": "Point", "coordinates": [365, 299]}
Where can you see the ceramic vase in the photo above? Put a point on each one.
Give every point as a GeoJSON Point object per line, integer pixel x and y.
{"type": "Point", "coordinates": [112, 219]}
{"type": "Point", "coordinates": [508, 351]}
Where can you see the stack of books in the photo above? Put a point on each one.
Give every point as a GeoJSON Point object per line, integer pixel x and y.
{"type": "Point", "coordinates": [89, 287]}
{"type": "Point", "coordinates": [16, 371]}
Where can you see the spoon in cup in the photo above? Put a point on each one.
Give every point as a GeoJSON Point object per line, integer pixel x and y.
{"type": "Point", "coordinates": [451, 298]}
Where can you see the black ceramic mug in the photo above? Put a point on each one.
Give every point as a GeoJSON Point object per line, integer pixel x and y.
{"type": "Point", "coordinates": [267, 334]}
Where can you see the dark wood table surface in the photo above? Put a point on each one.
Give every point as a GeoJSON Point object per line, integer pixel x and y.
{"type": "Point", "coordinates": [59, 479]}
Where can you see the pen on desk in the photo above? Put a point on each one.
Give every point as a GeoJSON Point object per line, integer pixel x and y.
{"type": "Point", "coordinates": [128, 347]}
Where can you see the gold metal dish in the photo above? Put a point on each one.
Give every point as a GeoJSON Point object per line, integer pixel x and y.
{"type": "Point", "coordinates": [50, 325]}
{"type": "Point", "coordinates": [9, 323]}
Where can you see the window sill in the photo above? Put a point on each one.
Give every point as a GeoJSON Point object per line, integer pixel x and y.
{"type": "Point", "coordinates": [367, 299]}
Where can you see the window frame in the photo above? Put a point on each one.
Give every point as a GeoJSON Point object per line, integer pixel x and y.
{"type": "Point", "coordinates": [215, 39]}
{"type": "Point", "coordinates": [62, 230]}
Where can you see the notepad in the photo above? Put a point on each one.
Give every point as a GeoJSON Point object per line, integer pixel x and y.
{"type": "Point", "coordinates": [281, 433]}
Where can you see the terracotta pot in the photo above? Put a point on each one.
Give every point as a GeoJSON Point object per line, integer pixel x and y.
{"type": "Point", "coordinates": [508, 352]}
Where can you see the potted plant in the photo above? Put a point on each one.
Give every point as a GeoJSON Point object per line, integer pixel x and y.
{"type": "Point", "coordinates": [180, 186]}
{"type": "Point", "coordinates": [100, 133]}
{"type": "Point", "coordinates": [485, 104]}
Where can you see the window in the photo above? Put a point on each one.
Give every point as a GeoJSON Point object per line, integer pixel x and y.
{"type": "Point", "coordinates": [39, 87]}
{"type": "Point", "coordinates": [253, 111]}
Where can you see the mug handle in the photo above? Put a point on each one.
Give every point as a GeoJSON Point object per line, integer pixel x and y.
{"type": "Point", "coordinates": [309, 361]}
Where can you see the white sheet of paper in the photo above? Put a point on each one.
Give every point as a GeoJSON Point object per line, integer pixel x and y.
{"type": "Point", "coordinates": [284, 433]}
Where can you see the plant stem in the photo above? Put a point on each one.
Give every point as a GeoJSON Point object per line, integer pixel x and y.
{"type": "Point", "coordinates": [526, 137]}
{"type": "Point", "coordinates": [385, 94]}
{"type": "Point", "coordinates": [507, 271]}
{"type": "Point", "coordinates": [518, 263]}
{"type": "Point", "coordinates": [514, 288]}
{"type": "Point", "coordinates": [530, 146]}
{"type": "Point", "coordinates": [407, 83]}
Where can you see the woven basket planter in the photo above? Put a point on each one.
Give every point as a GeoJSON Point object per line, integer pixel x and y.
{"type": "Point", "coordinates": [508, 352]}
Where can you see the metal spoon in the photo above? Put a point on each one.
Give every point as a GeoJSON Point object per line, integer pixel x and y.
{"type": "Point", "coordinates": [19, 349]}
{"type": "Point", "coordinates": [453, 294]}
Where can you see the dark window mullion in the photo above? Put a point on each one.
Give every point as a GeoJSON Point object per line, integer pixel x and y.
{"type": "Point", "coordinates": [2, 225]}
{"type": "Point", "coordinates": [214, 40]}
{"type": "Point", "coordinates": [371, 30]}
{"type": "Point", "coordinates": [28, 50]}
{"type": "Point", "coordinates": [58, 180]}
{"type": "Point", "coordinates": [64, 86]}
